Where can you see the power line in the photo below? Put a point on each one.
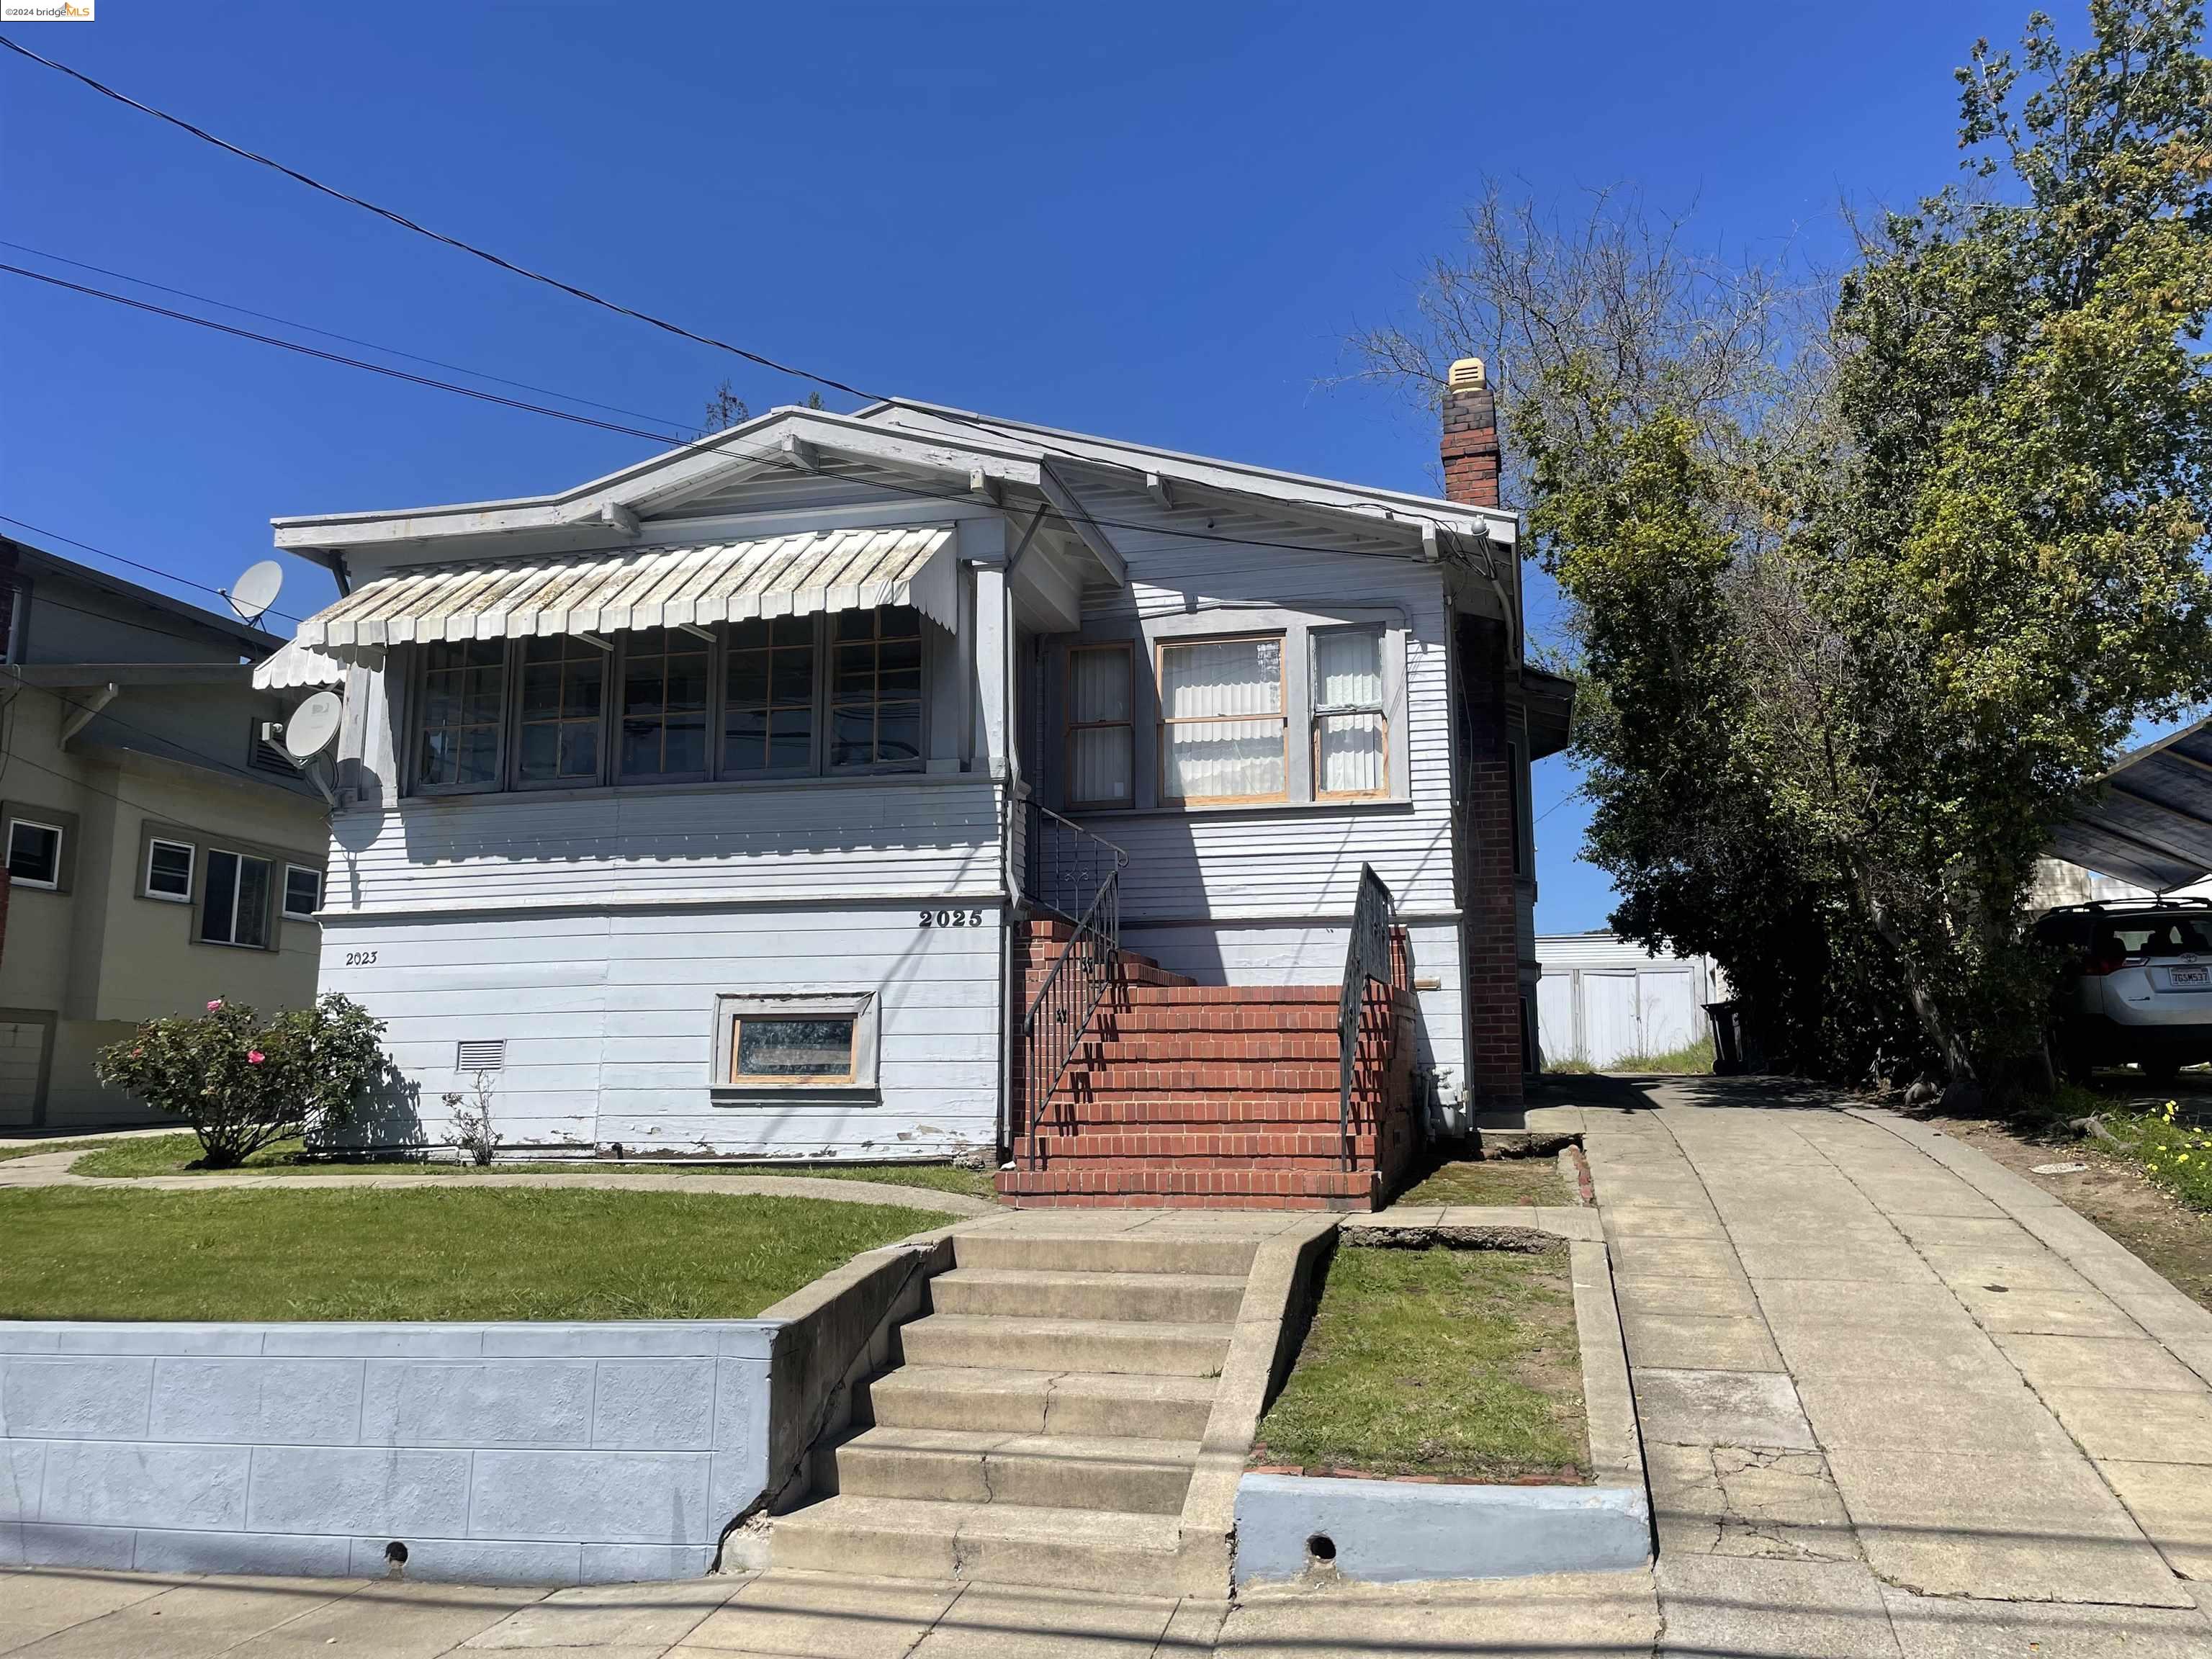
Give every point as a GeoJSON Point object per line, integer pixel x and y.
{"type": "Point", "coordinates": [151, 570]}
{"type": "Point", "coordinates": [330, 334]}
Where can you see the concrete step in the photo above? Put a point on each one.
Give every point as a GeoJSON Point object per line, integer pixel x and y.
{"type": "Point", "coordinates": [1104, 1252]}
{"type": "Point", "coordinates": [1079, 1345]}
{"type": "Point", "coordinates": [1038, 1403]}
{"type": "Point", "coordinates": [1044, 1471]}
{"type": "Point", "coordinates": [994, 1543]}
{"type": "Point", "coordinates": [1022, 1292]}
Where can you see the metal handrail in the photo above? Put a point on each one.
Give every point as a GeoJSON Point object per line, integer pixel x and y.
{"type": "Point", "coordinates": [1064, 865]}
{"type": "Point", "coordinates": [1063, 1009]}
{"type": "Point", "coordinates": [1367, 957]}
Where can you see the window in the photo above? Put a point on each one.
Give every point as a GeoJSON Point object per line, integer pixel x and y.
{"type": "Point", "coordinates": [464, 701]}
{"type": "Point", "coordinates": [169, 870]}
{"type": "Point", "coordinates": [563, 700]}
{"type": "Point", "coordinates": [767, 717]}
{"type": "Point", "coordinates": [794, 1041]}
{"type": "Point", "coordinates": [34, 854]}
{"type": "Point", "coordinates": [234, 909]}
{"type": "Point", "coordinates": [875, 688]}
{"type": "Point", "coordinates": [303, 891]}
{"type": "Point", "coordinates": [1351, 735]}
{"type": "Point", "coordinates": [1221, 721]}
{"type": "Point", "coordinates": [1101, 758]}
{"type": "Point", "coordinates": [663, 709]}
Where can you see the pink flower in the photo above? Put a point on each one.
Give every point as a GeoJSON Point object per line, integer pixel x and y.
{"type": "Point", "coordinates": [254, 1056]}
{"type": "Point", "coordinates": [215, 1004]}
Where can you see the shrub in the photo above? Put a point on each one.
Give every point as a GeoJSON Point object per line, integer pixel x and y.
{"type": "Point", "coordinates": [470, 1127]}
{"type": "Point", "coordinates": [242, 1081]}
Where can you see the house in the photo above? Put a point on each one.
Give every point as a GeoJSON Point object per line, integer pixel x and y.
{"type": "Point", "coordinates": [159, 852]}
{"type": "Point", "coordinates": [907, 783]}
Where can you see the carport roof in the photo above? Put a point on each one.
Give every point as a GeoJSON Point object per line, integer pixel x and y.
{"type": "Point", "coordinates": [2152, 822]}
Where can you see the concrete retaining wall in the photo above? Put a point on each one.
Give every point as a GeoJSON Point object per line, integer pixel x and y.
{"type": "Point", "coordinates": [529, 1453]}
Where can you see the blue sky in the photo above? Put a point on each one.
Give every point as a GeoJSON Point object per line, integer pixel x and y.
{"type": "Point", "coordinates": [1157, 221]}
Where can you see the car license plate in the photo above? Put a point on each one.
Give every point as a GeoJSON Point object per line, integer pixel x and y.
{"type": "Point", "coordinates": [2188, 979]}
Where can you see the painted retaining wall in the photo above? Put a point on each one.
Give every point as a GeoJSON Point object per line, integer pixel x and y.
{"type": "Point", "coordinates": [496, 1453]}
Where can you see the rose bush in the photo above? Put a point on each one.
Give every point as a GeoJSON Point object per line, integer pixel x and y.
{"type": "Point", "coordinates": [243, 1081]}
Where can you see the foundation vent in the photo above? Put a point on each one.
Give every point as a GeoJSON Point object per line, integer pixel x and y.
{"type": "Point", "coordinates": [481, 1054]}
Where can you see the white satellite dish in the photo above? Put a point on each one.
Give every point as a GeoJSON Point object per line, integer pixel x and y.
{"type": "Point", "coordinates": [256, 589]}
{"type": "Point", "coordinates": [313, 727]}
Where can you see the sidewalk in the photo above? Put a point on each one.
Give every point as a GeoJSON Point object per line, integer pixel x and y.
{"type": "Point", "coordinates": [1895, 1400]}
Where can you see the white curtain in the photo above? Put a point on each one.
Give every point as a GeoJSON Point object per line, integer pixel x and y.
{"type": "Point", "coordinates": [1222, 736]}
{"type": "Point", "coordinates": [1349, 737]}
{"type": "Point", "coordinates": [1100, 761]}
{"type": "Point", "coordinates": [1348, 669]}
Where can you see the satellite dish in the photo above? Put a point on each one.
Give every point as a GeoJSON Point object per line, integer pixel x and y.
{"type": "Point", "coordinates": [313, 727]}
{"type": "Point", "coordinates": [256, 589]}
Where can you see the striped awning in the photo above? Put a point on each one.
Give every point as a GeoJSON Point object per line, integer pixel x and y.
{"type": "Point", "coordinates": [295, 666]}
{"type": "Point", "coordinates": [664, 586]}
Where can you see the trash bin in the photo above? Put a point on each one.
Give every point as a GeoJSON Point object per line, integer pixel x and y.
{"type": "Point", "coordinates": [1726, 1019]}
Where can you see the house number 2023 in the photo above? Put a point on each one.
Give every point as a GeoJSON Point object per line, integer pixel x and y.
{"type": "Point", "coordinates": [951, 918]}
{"type": "Point", "coordinates": [360, 958]}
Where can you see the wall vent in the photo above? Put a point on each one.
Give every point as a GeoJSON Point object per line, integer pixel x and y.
{"type": "Point", "coordinates": [482, 1055]}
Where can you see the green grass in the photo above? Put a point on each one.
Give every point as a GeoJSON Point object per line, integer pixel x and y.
{"type": "Point", "coordinates": [1490, 1180]}
{"type": "Point", "coordinates": [31, 1148]}
{"type": "Point", "coordinates": [1692, 1059]}
{"type": "Point", "coordinates": [444, 1254]}
{"type": "Point", "coordinates": [169, 1155]}
{"type": "Point", "coordinates": [1456, 1363]}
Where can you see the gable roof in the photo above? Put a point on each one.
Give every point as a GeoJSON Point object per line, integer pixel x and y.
{"type": "Point", "coordinates": [22, 556]}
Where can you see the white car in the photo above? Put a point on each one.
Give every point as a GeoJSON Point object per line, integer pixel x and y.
{"type": "Point", "coordinates": [2136, 985]}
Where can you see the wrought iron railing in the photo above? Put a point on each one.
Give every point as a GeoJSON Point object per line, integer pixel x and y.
{"type": "Point", "coordinates": [1064, 866]}
{"type": "Point", "coordinates": [1061, 1011]}
{"type": "Point", "coordinates": [1367, 957]}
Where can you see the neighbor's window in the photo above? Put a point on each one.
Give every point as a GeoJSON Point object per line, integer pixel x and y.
{"type": "Point", "coordinates": [1350, 736]}
{"type": "Point", "coordinates": [34, 854]}
{"type": "Point", "coordinates": [875, 688]}
{"type": "Point", "coordinates": [303, 891]}
{"type": "Point", "coordinates": [235, 908]}
{"type": "Point", "coordinates": [1101, 760]}
{"type": "Point", "coordinates": [563, 694]}
{"type": "Point", "coordinates": [464, 701]}
{"type": "Point", "coordinates": [773, 1048]}
{"type": "Point", "coordinates": [169, 870]}
{"type": "Point", "coordinates": [767, 717]}
{"type": "Point", "coordinates": [664, 710]}
{"type": "Point", "coordinates": [1221, 721]}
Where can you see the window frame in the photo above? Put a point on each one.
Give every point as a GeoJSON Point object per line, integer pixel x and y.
{"type": "Point", "coordinates": [418, 737]}
{"type": "Point", "coordinates": [1281, 635]}
{"type": "Point", "coordinates": [818, 745]}
{"type": "Point", "coordinates": [732, 1008]}
{"type": "Point", "coordinates": [709, 711]}
{"type": "Point", "coordinates": [511, 776]}
{"type": "Point", "coordinates": [146, 888]}
{"type": "Point", "coordinates": [825, 695]}
{"type": "Point", "coordinates": [1070, 726]}
{"type": "Point", "coordinates": [1316, 711]}
{"type": "Point", "coordinates": [57, 883]}
{"type": "Point", "coordinates": [284, 909]}
{"type": "Point", "coordinates": [273, 898]}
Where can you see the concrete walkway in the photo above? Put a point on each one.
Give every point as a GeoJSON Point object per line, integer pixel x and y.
{"type": "Point", "coordinates": [52, 1169]}
{"type": "Point", "coordinates": [1895, 1400]}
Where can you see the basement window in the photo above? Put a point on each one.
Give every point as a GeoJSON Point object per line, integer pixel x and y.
{"type": "Point", "coordinates": [778, 1044]}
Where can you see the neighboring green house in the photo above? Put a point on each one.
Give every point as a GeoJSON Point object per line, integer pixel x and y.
{"type": "Point", "coordinates": [158, 852]}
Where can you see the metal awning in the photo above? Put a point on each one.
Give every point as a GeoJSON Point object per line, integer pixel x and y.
{"type": "Point", "coordinates": [694, 583]}
{"type": "Point", "coordinates": [295, 666]}
{"type": "Point", "coordinates": [2152, 822]}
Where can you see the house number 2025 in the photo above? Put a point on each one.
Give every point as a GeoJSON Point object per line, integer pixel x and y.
{"type": "Point", "coordinates": [951, 918]}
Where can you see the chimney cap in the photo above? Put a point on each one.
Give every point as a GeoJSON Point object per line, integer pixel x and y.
{"type": "Point", "coordinates": [1466, 375]}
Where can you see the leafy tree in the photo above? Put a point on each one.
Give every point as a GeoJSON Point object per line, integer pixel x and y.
{"type": "Point", "coordinates": [243, 1081]}
{"type": "Point", "coordinates": [1869, 579]}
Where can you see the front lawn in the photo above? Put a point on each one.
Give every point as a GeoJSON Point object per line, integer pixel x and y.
{"type": "Point", "coordinates": [444, 1254]}
{"type": "Point", "coordinates": [1490, 1180]}
{"type": "Point", "coordinates": [1462, 1363]}
{"type": "Point", "coordinates": [180, 1154]}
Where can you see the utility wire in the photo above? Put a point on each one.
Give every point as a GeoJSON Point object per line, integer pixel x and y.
{"type": "Point", "coordinates": [151, 570]}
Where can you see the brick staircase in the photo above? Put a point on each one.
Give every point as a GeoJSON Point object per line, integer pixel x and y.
{"type": "Point", "coordinates": [1214, 1096]}
{"type": "Point", "coordinates": [1044, 1421]}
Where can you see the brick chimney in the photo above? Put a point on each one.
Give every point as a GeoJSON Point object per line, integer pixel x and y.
{"type": "Point", "coordinates": [1470, 441]}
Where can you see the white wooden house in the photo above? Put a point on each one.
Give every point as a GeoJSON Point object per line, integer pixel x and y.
{"type": "Point", "coordinates": [711, 804]}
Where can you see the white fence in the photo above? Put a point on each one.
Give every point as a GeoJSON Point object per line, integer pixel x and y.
{"type": "Point", "coordinates": [1602, 999]}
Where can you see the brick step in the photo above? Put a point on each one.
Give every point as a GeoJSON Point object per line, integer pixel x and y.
{"type": "Point", "coordinates": [1117, 1475]}
{"type": "Point", "coordinates": [1149, 975]}
{"type": "Point", "coordinates": [1295, 996]}
{"type": "Point", "coordinates": [1111, 1075]}
{"type": "Point", "coordinates": [1038, 1401]}
{"type": "Point", "coordinates": [1067, 1250]}
{"type": "Point", "coordinates": [1254, 1109]}
{"type": "Point", "coordinates": [1200, 1149]}
{"type": "Point", "coordinates": [1210, 1047]}
{"type": "Point", "coordinates": [1151, 1348]}
{"type": "Point", "coordinates": [996, 1543]}
{"type": "Point", "coordinates": [1133, 1017]}
{"type": "Point", "coordinates": [1025, 1293]}
{"type": "Point", "coordinates": [1154, 1187]}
